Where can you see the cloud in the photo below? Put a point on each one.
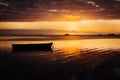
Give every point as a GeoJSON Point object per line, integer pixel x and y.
{"type": "Point", "coordinates": [53, 10]}
{"type": "Point", "coordinates": [4, 4]}
{"type": "Point", "coordinates": [31, 32]}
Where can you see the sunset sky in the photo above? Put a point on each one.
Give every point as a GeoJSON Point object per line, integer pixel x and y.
{"type": "Point", "coordinates": [60, 16]}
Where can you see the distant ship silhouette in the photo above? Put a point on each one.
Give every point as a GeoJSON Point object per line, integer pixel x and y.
{"type": "Point", "coordinates": [67, 34]}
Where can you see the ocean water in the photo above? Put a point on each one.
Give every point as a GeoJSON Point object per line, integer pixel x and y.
{"type": "Point", "coordinates": [71, 58]}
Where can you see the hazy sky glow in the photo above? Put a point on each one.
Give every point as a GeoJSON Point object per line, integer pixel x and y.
{"type": "Point", "coordinates": [82, 27]}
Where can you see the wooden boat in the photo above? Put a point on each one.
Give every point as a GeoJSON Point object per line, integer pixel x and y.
{"type": "Point", "coordinates": [32, 47]}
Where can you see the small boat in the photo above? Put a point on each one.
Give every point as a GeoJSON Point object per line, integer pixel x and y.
{"type": "Point", "coordinates": [32, 47]}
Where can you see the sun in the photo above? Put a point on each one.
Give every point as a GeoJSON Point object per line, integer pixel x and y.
{"type": "Point", "coordinates": [72, 28]}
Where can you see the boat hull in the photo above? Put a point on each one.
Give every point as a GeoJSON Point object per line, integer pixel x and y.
{"type": "Point", "coordinates": [32, 47]}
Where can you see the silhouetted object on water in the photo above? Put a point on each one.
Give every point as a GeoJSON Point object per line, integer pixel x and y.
{"type": "Point", "coordinates": [32, 47]}
{"type": "Point", "coordinates": [66, 34]}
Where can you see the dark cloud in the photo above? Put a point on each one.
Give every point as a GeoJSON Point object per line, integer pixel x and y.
{"type": "Point", "coordinates": [31, 32]}
{"type": "Point", "coordinates": [53, 10]}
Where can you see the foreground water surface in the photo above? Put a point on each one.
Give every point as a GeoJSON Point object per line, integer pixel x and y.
{"type": "Point", "coordinates": [70, 59]}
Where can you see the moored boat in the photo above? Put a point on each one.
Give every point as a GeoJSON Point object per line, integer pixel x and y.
{"type": "Point", "coordinates": [32, 47]}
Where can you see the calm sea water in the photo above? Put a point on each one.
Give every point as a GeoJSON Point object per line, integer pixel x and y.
{"type": "Point", "coordinates": [70, 59]}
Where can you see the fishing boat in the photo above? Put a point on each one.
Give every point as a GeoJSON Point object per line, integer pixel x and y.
{"type": "Point", "coordinates": [32, 47]}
